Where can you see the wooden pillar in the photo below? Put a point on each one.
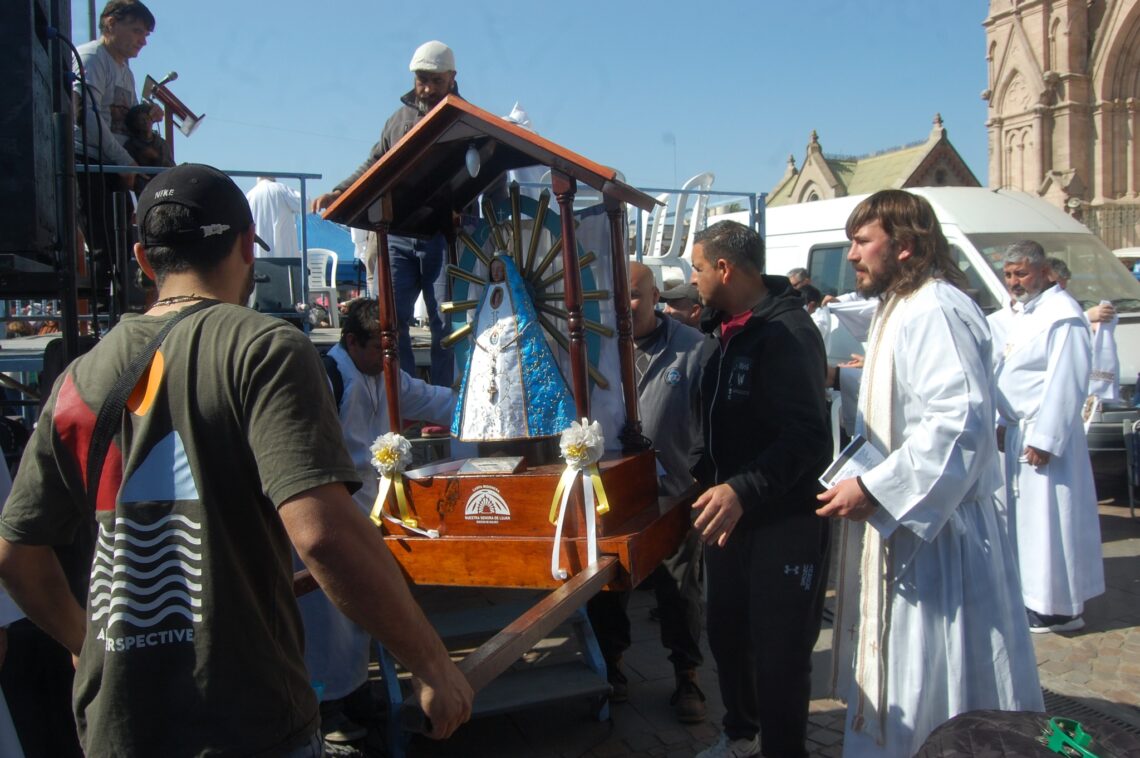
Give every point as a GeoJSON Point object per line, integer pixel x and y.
{"type": "Point", "coordinates": [565, 187]}
{"type": "Point", "coordinates": [387, 302]}
{"type": "Point", "coordinates": [630, 435]}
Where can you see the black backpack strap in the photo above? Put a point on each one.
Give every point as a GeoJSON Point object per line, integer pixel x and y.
{"type": "Point", "coordinates": [335, 377]}
{"type": "Point", "coordinates": [111, 413]}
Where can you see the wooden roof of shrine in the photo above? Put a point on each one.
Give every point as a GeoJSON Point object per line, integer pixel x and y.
{"type": "Point", "coordinates": [425, 179]}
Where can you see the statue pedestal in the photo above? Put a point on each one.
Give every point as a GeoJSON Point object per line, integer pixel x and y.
{"type": "Point", "coordinates": [495, 530]}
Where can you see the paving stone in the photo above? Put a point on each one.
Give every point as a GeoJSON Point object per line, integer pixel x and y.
{"type": "Point", "coordinates": [671, 737]}
{"type": "Point", "coordinates": [826, 736]}
{"type": "Point", "coordinates": [610, 749]}
{"type": "Point", "coordinates": [1056, 667]}
{"type": "Point", "coordinates": [1104, 667]}
{"type": "Point", "coordinates": [643, 741]}
{"type": "Point", "coordinates": [1078, 677]}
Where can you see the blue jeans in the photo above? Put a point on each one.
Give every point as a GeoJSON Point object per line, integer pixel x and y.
{"type": "Point", "coordinates": [417, 266]}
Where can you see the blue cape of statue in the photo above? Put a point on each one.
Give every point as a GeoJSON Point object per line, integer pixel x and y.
{"type": "Point", "coordinates": [547, 405]}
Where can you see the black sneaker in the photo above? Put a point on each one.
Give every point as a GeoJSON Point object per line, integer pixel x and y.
{"type": "Point", "coordinates": [1066, 623]}
{"type": "Point", "coordinates": [1040, 623]}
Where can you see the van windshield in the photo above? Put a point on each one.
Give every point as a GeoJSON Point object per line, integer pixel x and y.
{"type": "Point", "coordinates": [1097, 274]}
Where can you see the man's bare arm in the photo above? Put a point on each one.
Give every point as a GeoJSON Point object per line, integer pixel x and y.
{"type": "Point", "coordinates": [33, 577]}
{"type": "Point", "coordinates": [348, 558]}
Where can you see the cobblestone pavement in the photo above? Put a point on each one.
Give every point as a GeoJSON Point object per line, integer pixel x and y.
{"type": "Point", "coordinates": [1097, 668]}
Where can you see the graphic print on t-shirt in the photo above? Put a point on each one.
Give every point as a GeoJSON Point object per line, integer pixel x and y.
{"type": "Point", "coordinates": [146, 580]}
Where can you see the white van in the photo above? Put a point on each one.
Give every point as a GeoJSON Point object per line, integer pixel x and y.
{"type": "Point", "coordinates": [979, 224]}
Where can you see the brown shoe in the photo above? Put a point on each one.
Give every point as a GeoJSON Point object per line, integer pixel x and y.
{"type": "Point", "coordinates": [688, 701]}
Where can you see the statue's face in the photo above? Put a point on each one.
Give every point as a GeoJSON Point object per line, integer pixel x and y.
{"type": "Point", "coordinates": [498, 270]}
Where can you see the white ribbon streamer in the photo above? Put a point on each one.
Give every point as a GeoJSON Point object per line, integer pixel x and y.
{"type": "Point", "coordinates": [582, 446]}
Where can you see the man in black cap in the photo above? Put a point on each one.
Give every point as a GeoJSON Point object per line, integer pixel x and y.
{"type": "Point", "coordinates": [191, 640]}
{"type": "Point", "coordinates": [683, 303]}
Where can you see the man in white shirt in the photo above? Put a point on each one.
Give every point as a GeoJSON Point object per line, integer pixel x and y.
{"type": "Point", "coordinates": [336, 649]}
{"type": "Point", "coordinates": [275, 207]}
{"type": "Point", "coordinates": [1042, 382]}
{"type": "Point", "coordinates": [928, 623]}
{"type": "Point", "coordinates": [103, 96]}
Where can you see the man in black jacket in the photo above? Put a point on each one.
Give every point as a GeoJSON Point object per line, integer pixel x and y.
{"type": "Point", "coordinates": [765, 442]}
{"type": "Point", "coordinates": [417, 264]}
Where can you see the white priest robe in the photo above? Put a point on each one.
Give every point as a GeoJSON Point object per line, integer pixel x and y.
{"type": "Point", "coordinates": [950, 634]}
{"type": "Point", "coordinates": [1042, 382]}
{"type": "Point", "coordinates": [999, 322]}
{"type": "Point", "coordinates": [275, 208]}
{"type": "Point", "coordinates": [336, 649]}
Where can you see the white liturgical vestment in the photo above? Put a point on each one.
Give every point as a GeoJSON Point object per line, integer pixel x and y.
{"type": "Point", "coordinates": [1042, 382]}
{"type": "Point", "coordinates": [947, 633]}
{"type": "Point", "coordinates": [275, 207]}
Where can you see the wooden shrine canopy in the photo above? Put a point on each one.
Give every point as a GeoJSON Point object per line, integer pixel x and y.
{"type": "Point", "coordinates": [425, 178]}
{"type": "Point", "coordinates": [415, 189]}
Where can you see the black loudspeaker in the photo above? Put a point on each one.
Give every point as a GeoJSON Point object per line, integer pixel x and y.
{"type": "Point", "coordinates": [28, 233]}
{"type": "Point", "coordinates": [277, 288]}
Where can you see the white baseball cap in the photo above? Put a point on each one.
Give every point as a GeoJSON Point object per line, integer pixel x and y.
{"type": "Point", "coordinates": [433, 56]}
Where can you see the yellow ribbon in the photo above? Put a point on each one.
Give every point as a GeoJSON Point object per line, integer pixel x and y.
{"type": "Point", "coordinates": [394, 482]}
{"type": "Point", "coordinates": [567, 480]}
{"type": "Point", "coordinates": [603, 506]}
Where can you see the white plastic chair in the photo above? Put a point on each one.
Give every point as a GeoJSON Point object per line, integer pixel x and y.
{"type": "Point", "coordinates": [677, 257]}
{"type": "Point", "coordinates": [586, 195]}
{"type": "Point", "coordinates": [317, 261]}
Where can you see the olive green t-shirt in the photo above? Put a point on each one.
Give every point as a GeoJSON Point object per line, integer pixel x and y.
{"type": "Point", "coordinates": [194, 642]}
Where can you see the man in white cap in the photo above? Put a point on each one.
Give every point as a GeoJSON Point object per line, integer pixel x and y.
{"type": "Point", "coordinates": [417, 264]}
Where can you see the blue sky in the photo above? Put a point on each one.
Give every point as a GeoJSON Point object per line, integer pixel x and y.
{"type": "Point", "coordinates": [731, 87]}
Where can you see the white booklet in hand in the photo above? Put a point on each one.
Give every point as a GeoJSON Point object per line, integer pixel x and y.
{"type": "Point", "coordinates": [859, 457]}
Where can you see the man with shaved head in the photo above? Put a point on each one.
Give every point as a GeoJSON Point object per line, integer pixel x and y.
{"type": "Point", "coordinates": [669, 356]}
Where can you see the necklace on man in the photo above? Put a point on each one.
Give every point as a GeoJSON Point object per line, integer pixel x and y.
{"type": "Point", "coordinates": [174, 300]}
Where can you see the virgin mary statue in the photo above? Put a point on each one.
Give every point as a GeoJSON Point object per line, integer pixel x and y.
{"type": "Point", "coordinates": [512, 388]}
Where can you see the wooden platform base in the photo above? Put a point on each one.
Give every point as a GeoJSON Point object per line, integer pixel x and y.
{"type": "Point", "coordinates": [639, 545]}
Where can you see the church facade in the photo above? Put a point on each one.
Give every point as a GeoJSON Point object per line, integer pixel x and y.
{"type": "Point", "coordinates": [1064, 107]}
